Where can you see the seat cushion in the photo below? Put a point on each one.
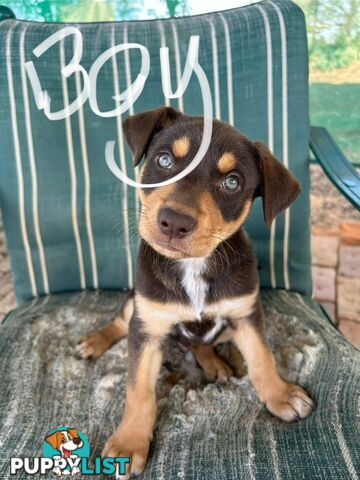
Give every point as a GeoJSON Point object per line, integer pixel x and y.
{"type": "Point", "coordinates": [203, 430]}
{"type": "Point", "coordinates": [69, 223]}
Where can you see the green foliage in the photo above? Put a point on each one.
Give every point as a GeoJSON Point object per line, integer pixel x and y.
{"type": "Point", "coordinates": [335, 107]}
{"type": "Point", "coordinates": [327, 56]}
{"type": "Point", "coordinates": [102, 11]}
{"type": "Point", "coordinates": [90, 10]}
{"type": "Point", "coordinates": [333, 25]}
{"type": "Point", "coordinates": [333, 32]}
{"type": "Point", "coordinates": [128, 9]}
{"type": "Point", "coordinates": [177, 8]}
{"type": "Point", "coordinates": [30, 9]}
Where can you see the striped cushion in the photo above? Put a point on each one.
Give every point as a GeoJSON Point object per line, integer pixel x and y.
{"type": "Point", "coordinates": [70, 224]}
{"type": "Point", "coordinates": [203, 431]}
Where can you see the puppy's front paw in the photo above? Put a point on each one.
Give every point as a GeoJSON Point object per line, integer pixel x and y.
{"type": "Point", "coordinates": [214, 367]}
{"type": "Point", "coordinates": [217, 369]}
{"type": "Point", "coordinates": [125, 443]}
{"type": "Point", "coordinates": [290, 402]}
{"type": "Point", "coordinates": [92, 345]}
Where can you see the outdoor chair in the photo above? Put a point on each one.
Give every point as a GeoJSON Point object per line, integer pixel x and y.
{"type": "Point", "coordinates": [70, 228]}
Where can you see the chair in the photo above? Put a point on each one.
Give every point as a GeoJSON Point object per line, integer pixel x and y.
{"type": "Point", "coordinates": [70, 228]}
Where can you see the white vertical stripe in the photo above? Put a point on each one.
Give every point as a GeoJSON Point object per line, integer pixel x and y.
{"type": "Point", "coordinates": [229, 70]}
{"type": "Point", "coordinates": [32, 162]}
{"type": "Point", "coordinates": [85, 163]}
{"type": "Point", "coordinates": [270, 91]}
{"type": "Point", "coordinates": [341, 439]}
{"type": "Point", "coordinates": [127, 67]}
{"type": "Point", "coordinates": [285, 136]}
{"type": "Point", "coordinates": [250, 439]}
{"type": "Point", "coordinates": [123, 167]}
{"type": "Point", "coordinates": [215, 70]}
{"type": "Point", "coordinates": [284, 85]}
{"type": "Point", "coordinates": [19, 170]}
{"type": "Point", "coordinates": [70, 149]}
{"type": "Point", "coordinates": [273, 450]}
{"type": "Point", "coordinates": [131, 111]}
{"type": "Point", "coordinates": [177, 62]}
{"type": "Point", "coordinates": [163, 44]}
{"type": "Point", "coordinates": [270, 109]}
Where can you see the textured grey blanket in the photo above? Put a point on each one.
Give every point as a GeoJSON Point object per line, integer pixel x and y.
{"type": "Point", "coordinates": [203, 431]}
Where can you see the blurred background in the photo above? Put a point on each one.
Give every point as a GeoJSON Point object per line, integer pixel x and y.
{"type": "Point", "coordinates": [334, 47]}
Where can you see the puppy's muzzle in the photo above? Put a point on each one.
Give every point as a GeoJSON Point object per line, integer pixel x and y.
{"type": "Point", "coordinates": [174, 224]}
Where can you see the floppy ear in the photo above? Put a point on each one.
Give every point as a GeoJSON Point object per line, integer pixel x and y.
{"type": "Point", "coordinates": [54, 439]}
{"type": "Point", "coordinates": [73, 432]}
{"type": "Point", "coordinates": [278, 188]}
{"type": "Point", "coordinates": [140, 128]}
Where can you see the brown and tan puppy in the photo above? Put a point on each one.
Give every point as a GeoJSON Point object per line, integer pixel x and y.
{"type": "Point", "coordinates": [196, 274]}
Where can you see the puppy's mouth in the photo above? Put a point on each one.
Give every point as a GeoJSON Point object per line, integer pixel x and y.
{"type": "Point", "coordinates": [66, 453]}
{"type": "Point", "coordinates": [172, 245]}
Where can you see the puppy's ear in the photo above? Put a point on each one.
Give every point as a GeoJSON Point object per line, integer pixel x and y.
{"type": "Point", "coordinates": [73, 432]}
{"type": "Point", "coordinates": [278, 188]}
{"type": "Point", "coordinates": [140, 128]}
{"type": "Point", "coordinates": [54, 439]}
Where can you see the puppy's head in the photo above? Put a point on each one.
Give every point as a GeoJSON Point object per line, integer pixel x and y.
{"type": "Point", "coordinates": [65, 441]}
{"type": "Point", "coordinates": [189, 218]}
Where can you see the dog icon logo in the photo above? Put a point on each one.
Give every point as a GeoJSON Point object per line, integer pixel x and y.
{"type": "Point", "coordinates": [66, 451]}
{"type": "Point", "coordinates": [66, 444]}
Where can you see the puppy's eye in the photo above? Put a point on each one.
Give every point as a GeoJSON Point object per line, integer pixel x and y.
{"type": "Point", "coordinates": [165, 160]}
{"type": "Point", "coordinates": [231, 183]}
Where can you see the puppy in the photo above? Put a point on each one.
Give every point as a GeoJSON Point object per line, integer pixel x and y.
{"type": "Point", "coordinates": [65, 441]}
{"type": "Point", "coordinates": [196, 275]}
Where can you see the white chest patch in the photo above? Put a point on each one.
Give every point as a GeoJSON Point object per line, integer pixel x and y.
{"type": "Point", "coordinates": [194, 283]}
{"type": "Point", "coordinates": [219, 323]}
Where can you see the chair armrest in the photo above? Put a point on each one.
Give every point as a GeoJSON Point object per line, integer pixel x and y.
{"type": "Point", "coordinates": [336, 166]}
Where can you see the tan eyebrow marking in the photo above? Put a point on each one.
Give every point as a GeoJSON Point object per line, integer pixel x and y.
{"type": "Point", "coordinates": [181, 146]}
{"type": "Point", "coordinates": [226, 162]}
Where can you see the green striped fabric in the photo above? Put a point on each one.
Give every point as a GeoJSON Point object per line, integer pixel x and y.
{"type": "Point", "coordinates": [70, 224]}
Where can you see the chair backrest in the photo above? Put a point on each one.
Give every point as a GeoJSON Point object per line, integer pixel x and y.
{"type": "Point", "coordinates": [69, 222]}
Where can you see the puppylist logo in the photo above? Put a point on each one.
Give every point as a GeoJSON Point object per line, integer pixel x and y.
{"type": "Point", "coordinates": [66, 451]}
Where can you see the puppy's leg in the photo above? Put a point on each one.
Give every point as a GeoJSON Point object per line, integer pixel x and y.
{"type": "Point", "coordinates": [284, 400]}
{"type": "Point", "coordinates": [133, 435]}
{"type": "Point", "coordinates": [96, 343]}
{"type": "Point", "coordinates": [214, 367]}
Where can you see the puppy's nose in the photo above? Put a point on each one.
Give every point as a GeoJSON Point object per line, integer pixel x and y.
{"type": "Point", "coordinates": [175, 224]}
{"type": "Point", "coordinates": [77, 440]}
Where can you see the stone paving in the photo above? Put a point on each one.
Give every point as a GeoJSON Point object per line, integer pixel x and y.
{"type": "Point", "coordinates": [335, 257]}
{"type": "Point", "coordinates": [336, 276]}
{"type": "Point", "coordinates": [335, 244]}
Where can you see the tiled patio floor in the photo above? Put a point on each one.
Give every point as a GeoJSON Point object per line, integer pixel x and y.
{"type": "Point", "coordinates": [336, 255]}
